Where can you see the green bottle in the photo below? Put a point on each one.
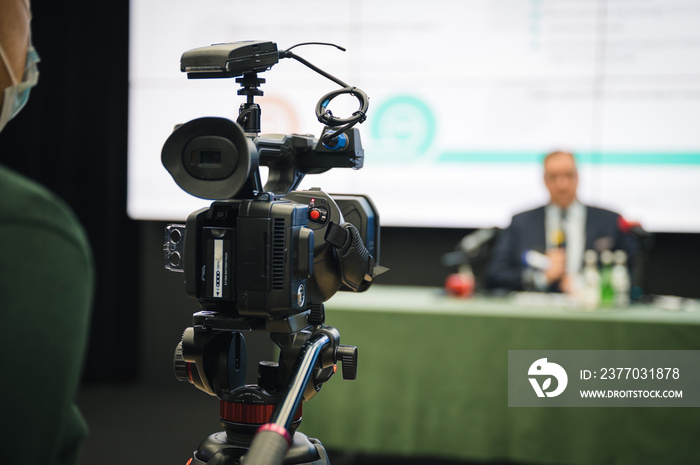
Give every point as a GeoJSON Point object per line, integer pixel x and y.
{"type": "Point", "coordinates": [607, 291]}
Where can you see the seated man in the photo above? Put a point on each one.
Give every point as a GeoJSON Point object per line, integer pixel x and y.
{"type": "Point", "coordinates": [560, 230]}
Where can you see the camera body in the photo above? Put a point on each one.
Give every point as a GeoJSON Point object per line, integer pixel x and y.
{"type": "Point", "coordinates": [251, 257]}
{"type": "Point", "coordinates": [262, 252]}
{"type": "Point", "coordinates": [266, 257]}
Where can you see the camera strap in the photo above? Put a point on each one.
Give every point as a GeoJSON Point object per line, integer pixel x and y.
{"type": "Point", "coordinates": [355, 263]}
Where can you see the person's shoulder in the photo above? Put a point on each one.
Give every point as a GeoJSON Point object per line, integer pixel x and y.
{"type": "Point", "coordinates": [528, 215]}
{"type": "Point", "coordinates": [599, 212]}
{"type": "Point", "coordinates": [27, 205]}
{"type": "Point", "coordinates": [22, 199]}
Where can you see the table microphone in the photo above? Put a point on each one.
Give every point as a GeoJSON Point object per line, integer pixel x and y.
{"type": "Point", "coordinates": [536, 260]}
{"type": "Point", "coordinates": [632, 227]}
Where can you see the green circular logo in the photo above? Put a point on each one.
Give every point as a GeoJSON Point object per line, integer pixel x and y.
{"type": "Point", "coordinates": [404, 127]}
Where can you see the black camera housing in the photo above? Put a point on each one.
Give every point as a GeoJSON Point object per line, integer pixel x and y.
{"type": "Point", "coordinates": [266, 257]}
{"type": "Point", "coordinates": [267, 251]}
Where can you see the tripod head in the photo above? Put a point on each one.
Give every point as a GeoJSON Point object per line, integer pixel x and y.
{"type": "Point", "coordinates": [212, 355]}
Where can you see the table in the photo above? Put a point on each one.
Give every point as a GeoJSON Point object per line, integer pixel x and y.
{"type": "Point", "coordinates": [432, 381]}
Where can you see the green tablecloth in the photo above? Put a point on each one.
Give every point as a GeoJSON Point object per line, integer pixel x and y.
{"type": "Point", "coordinates": [432, 381]}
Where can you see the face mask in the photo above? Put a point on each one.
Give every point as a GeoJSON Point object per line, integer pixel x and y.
{"type": "Point", "coordinates": [16, 96]}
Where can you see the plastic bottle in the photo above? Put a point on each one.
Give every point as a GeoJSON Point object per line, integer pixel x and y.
{"type": "Point", "coordinates": [607, 292]}
{"type": "Point", "coordinates": [589, 292]}
{"type": "Point", "coordinates": [621, 279]}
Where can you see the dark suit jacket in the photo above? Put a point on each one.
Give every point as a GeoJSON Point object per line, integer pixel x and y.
{"type": "Point", "coordinates": [527, 232]}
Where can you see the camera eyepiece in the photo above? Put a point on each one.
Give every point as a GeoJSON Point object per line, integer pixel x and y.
{"type": "Point", "coordinates": [210, 158]}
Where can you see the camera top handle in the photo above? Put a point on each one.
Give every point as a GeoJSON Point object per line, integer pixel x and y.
{"type": "Point", "coordinates": [246, 59]}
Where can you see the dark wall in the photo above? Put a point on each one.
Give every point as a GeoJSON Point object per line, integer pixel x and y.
{"type": "Point", "coordinates": [72, 137]}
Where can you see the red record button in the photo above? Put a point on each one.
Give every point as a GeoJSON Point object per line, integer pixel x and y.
{"type": "Point", "coordinates": [314, 214]}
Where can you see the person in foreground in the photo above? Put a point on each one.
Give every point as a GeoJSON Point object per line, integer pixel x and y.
{"type": "Point", "coordinates": [543, 248]}
{"type": "Point", "coordinates": [46, 285]}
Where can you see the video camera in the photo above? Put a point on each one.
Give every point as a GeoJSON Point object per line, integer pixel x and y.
{"type": "Point", "coordinates": [265, 251]}
{"type": "Point", "coordinates": [265, 257]}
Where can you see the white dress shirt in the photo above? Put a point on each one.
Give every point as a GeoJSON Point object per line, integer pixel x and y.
{"type": "Point", "coordinates": [572, 222]}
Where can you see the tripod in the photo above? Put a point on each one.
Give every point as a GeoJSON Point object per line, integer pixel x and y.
{"type": "Point", "coordinates": [260, 420]}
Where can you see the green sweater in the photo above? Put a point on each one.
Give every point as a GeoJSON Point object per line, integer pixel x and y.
{"type": "Point", "coordinates": [46, 289]}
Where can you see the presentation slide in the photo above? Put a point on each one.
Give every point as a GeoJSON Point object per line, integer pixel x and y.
{"type": "Point", "coordinates": [465, 100]}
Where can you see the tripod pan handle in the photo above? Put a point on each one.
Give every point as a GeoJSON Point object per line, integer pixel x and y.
{"type": "Point", "coordinates": [269, 447]}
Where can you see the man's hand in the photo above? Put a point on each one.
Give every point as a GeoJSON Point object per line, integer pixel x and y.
{"type": "Point", "coordinates": [557, 268]}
